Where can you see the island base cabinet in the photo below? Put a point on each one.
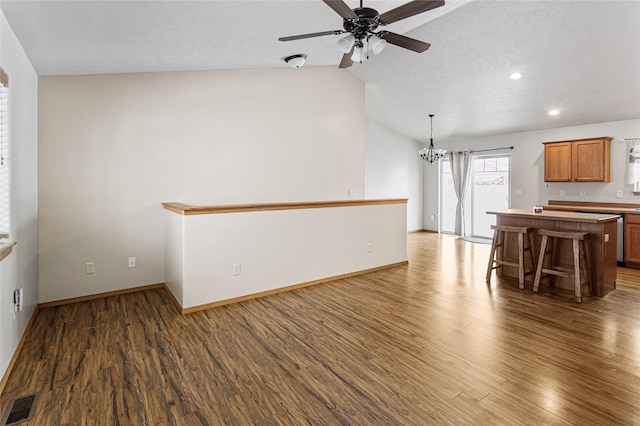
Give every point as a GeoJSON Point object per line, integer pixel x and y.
{"type": "Point", "coordinates": [602, 255]}
{"type": "Point", "coordinates": [632, 241]}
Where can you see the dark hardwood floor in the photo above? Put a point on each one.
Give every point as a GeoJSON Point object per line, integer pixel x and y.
{"type": "Point", "coordinates": [427, 343]}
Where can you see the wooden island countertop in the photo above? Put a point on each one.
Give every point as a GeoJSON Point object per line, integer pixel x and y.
{"type": "Point", "coordinates": [601, 243]}
{"type": "Point", "coordinates": [563, 216]}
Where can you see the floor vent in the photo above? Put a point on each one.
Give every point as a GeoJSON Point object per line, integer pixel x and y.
{"type": "Point", "coordinates": [20, 410]}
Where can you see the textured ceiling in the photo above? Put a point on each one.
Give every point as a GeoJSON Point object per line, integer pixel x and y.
{"type": "Point", "coordinates": [582, 58]}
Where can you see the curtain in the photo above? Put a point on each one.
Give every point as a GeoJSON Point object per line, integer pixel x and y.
{"type": "Point", "coordinates": [460, 162]}
{"type": "Point", "coordinates": [634, 163]}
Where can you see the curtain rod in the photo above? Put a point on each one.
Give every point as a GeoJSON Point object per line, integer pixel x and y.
{"type": "Point", "coordinates": [492, 149]}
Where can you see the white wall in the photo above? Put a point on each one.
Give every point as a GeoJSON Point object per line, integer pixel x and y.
{"type": "Point", "coordinates": [20, 268]}
{"type": "Point", "coordinates": [113, 147]}
{"type": "Point", "coordinates": [527, 164]}
{"type": "Point", "coordinates": [393, 169]}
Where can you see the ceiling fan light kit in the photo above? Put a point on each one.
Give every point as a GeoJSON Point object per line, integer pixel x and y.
{"type": "Point", "coordinates": [377, 44]}
{"type": "Point", "coordinates": [296, 61]}
{"type": "Point", "coordinates": [361, 24]}
{"type": "Point", "coordinates": [359, 52]}
{"type": "Point", "coordinates": [345, 44]}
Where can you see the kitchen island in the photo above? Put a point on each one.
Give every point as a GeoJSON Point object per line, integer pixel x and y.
{"type": "Point", "coordinates": [601, 243]}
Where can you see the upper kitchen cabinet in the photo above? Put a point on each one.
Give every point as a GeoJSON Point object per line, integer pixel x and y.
{"type": "Point", "coordinates": [557, 162]}
{"type": "Point", "coordinates": [581, 160]}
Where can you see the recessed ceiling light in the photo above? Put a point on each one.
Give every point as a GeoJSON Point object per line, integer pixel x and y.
{"type": "Point", "coordinates": [516, 76]}
{"type": "Point", "coordinates": [553, 112]}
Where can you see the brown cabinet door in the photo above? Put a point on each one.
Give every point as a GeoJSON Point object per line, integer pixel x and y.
{"type": "Point", "coordinates": [590, 161]}
{"type": "Point", "coordinates": [632, 238]}
{"type": "Point", "coordinates": [557, 162]}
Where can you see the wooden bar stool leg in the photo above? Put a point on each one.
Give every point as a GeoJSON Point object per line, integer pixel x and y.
{"type": "Point", "coordinates": [585, 271]}
{"type": "Point", "coordinates": [500, 252]}
{"type": "Point", "coordinates": [531, 255]}
{"type": "Point", "coordinates": [521, 261]}
{"type": "Point", "coordinates": [543, 249]}
{"type": "Point", "coordinates": [576, 270]}
{"type": "Point", "coordinates": [491, 256]}
{"type": "Point", "coordinates": [554, 247]}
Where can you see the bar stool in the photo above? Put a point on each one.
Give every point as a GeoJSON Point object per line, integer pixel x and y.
{"type": "Point", "coordinates": [496, 260]}
{"type": "Point", "coordinates": [580, 261]}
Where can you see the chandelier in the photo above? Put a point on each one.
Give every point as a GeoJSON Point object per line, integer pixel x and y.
{"type": "Point", "coordinates": [431, 154]}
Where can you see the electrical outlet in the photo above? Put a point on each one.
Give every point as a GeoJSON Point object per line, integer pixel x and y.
{"type": "Point", "coordinates": [433, 217]}
{"type": "Point", "coordinates": [132, 262]}
{"type": "Point", "coordinates": [618, 193]}
{"type": "Point", "coordinates": [563, 192]}
{"type": "Point", "coordinates": [606, 238]}
{"type": "Point", "coordinates": [518, 191]}
{"type": "Point", "coordinates": [351, 192]}
{"type": "Point", "coordinates": [369, 247]}
{"type": "Point", "coordinates": [583, 193]}
{"type": "Point", "coordinates": [90, 267]}
{"type": "Point", "coordinates": [235, 269]}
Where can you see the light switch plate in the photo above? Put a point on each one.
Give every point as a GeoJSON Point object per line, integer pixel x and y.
{"type": "Point", "coordinates": [235, 270]}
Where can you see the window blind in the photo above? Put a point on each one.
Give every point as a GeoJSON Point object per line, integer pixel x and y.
{"type": "Point", "coordinates": [5, 175]}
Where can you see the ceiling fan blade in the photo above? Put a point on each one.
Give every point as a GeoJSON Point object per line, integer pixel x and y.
{"type": "Point", "coordinates": [341, 8]}
{"type": "Point", "coordinates": [346, 61]}
{"type": "Point", "coordinates": [301, 36]}
{"type": "Point", "coordinates": [404, 41]}
{"type": "Point", "coordinates": [409, 9]}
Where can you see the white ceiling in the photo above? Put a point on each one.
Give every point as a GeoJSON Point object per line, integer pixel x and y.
{"type": "Point", "coordinates": [580, 57]}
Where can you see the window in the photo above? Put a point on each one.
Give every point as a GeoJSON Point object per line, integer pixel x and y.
{"type": "Point", "coordinates": [5, 176]}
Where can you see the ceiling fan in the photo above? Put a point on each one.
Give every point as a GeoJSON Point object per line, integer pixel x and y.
{"type": "Point", "coordinates": [361, 24]}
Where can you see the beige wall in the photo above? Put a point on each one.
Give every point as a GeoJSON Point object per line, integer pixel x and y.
{"type": "Point", "coordinates": [113, 147]}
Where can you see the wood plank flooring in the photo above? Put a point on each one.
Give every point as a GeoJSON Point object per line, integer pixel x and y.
{"type": "Point", "coordinates": [427, 343]}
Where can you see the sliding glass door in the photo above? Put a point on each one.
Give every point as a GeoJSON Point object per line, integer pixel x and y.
{"type": "Point", "coordinates": [489, 190]}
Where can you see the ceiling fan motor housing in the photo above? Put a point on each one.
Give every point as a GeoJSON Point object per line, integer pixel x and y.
{"type": "Point", "coordinates": [361, 24]}
{"type": "Point", "coordinates": [367, 21]}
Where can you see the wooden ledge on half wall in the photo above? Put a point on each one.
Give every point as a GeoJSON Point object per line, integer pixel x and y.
{"type": "Point", "coordinates": [187, 209]}
{"type": "Point", "coordinates": [6, 248]}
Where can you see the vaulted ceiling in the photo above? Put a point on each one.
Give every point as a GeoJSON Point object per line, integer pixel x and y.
{"type": "Point", "coordinates": [581, 58]}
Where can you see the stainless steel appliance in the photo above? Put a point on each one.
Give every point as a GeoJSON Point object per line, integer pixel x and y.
{"type": "Point", "coordinates": [619, 235]}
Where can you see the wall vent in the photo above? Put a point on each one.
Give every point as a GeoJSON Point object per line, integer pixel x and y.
{"type": "Point", "coordinates": [20, 410]}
